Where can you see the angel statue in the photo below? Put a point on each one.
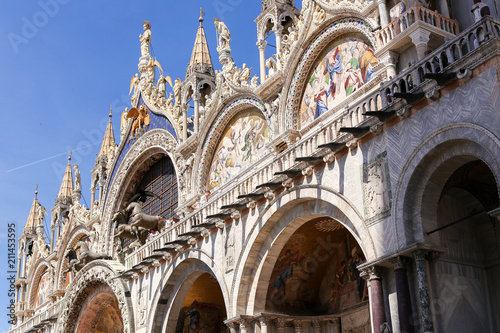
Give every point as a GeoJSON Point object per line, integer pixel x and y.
{"type": "Point", "coordinates": [223, 34]}
{"type": "Point", "coordinates": [141, 118]}
{"type": "Point", "coordinates": [145, 39]}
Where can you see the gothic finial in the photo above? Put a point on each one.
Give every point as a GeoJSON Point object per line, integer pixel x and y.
{"type": "Point", "coordinates": [36, 191]}
{"type": "Point", "coordinates": [69, 157]}
{"type": "Point", "coordinates": [202, 13]}
{"type": "Point", "coordinates": [110, 112]}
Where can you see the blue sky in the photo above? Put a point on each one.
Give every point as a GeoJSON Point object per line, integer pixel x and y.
{"type": "Point", "coordinates": [63, 63]}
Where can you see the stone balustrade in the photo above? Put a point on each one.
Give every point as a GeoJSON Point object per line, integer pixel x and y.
{"type": "Point", "coordinates": [40, 319]}
{"type": "Point", "coordinates": [410, 17]}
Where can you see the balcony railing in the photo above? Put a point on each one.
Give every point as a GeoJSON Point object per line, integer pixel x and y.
{"type": "Point", "coordinates": [443, 58]}
{"type": "Point", "coordinates": [38, 318]}
{"type": "Point", "coordinates": [409, 18]}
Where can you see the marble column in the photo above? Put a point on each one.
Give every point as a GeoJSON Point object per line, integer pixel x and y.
{"type": "Point", "coordinates": [423, 291]}
{"type": "Point", "coordinates": [184, 121]}
{"type": "Point", "coordinates": [333, 325]}
{"type": "Point", "coordinates": [297, 324]}
{"type": "Point", "coordinates": [196, 101]}
{"type": "Point", "coordinates": [262, 58]}
{"type": "Point", "coordinates": [244, 323]}
{"type": "Point", "coordinates": [316, 326]}
{"type": "Point", "coordinates": [420, 38]}
{"type": "Point", "coordinates": [376, 298]}
{"type": "Point", "coordinates": [384, 14]}
{"type": "Point", "coordinates": [279, 37]}
{"type": "Point", "coordinates": [403, 295]}
{"type": "Point", "coordinates": [232, 327]}
{"type": "Point", "coordinates": [390, 59]}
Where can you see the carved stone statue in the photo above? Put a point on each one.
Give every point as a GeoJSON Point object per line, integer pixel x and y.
{"type": "Point", "coordinates": [145, 39]}
{"type": "Point", "coordinates": [245, 75]}
{"type": "Point", "coordinates": [272, 66]}
{"type": "Point", "coordinates": [78, 179]}
{"type": "Point", "coordinates": [224, 37]}
{"type": "Point", "coordinates": [255, 81]}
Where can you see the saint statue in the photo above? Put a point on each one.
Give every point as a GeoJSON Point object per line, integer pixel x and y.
{"type": "Point", "coordinates": [145, 39]}
{"type": "Point", "coordinates": [224, 37]}
{"type": "Point", "coordinates": [78, 179]}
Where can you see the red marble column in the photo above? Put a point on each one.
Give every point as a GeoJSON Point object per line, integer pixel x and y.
{"type": "Point", "coordinates": [403, 295]}
{"type": "Point", "coordinates": [377, 307]}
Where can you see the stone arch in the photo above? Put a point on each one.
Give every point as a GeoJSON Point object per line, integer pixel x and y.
{"type": "Point", "coordinates": [303, 62]}
{"type": "Point", "coordinates": [285, 214]}
{"type": "Point", "coordinates": [96, 277]}
{"type": "Point", "coordinates": [262, 27]}
{"type": "Point", "coordinates": [176, 281]}
{"type": "Point", "coordinates": [455, 144]}
{"type": "Point", "coordinates": [156, 142]}
{"type": "Point", "coordinates": [69, 241]}
{"type": "Point", "coordinates": [40, 267]}
{"type": "Point", "coordinates": [215, 131]}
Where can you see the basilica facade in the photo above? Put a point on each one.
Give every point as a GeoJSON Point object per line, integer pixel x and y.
{"type": "Point", "coordinates": [350, 185]}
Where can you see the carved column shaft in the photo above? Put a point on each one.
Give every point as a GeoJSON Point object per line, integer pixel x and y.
{"type": "Point", "coordinates": [384, 14]}
{"type": "Point", "coordinates": [196, 100]}
{"type": "Point", "coordinates": [376, 298]}
{"type": "Point", "coordinates": [403, 296]}
{"type": "Point", "coordinates": [184, 122]}
{"type": "Point", "coordinates": [262, 58]}
{"type": "Point", "coordinates": [423, 290]}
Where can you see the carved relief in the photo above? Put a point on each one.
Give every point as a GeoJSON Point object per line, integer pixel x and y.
{"type": "Point", "coordinates": [377, 188]}
{"type": "Point", "coordinates": [229, 247]}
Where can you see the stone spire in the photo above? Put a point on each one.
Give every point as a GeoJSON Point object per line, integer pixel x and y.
{"type": "Point", "coordinates": [36, 215]}
{"type": "Point", "coordinates": [200, 62]}
{"type": "Point", "coordinates": [109, 138]}
{"type": "Point", "coordinates": [66, 189]}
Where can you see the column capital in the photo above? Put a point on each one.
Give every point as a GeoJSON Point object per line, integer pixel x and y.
{"type": "Point", "coordinates": [264, 320]}
{"type": "Point", "coordinates": [381, 2]}
{"type": "Point", "coordinates": [280, 322]}
{"type": "Point", "coordinates": [420, 254]}
{"type": "Point", "coordinates": [316, 323]}
{"type": "Point", "coordinates": [398, 262]}
{"type": "Point", "coordinates": [420, 36]}
{"type": "Point", "coordinates": [389, 57]}
{"type": "Point", "coordinates": [261, 44]}
{"type": "Point", "coordinates": [196, 96]}
{"type": "Point", "coordinates": [297, 324]}
{"type": "Point", "coordinates": [371, 273]}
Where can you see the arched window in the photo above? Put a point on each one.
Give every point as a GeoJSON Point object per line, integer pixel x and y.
{"type": "Point", "coordinates": [162, 181]}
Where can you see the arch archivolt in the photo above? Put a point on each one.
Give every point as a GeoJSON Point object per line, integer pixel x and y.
{"type": "Point", "coordinates": [450, 146]}
{"type": "Point", "coordinates": [139, 158]}
{"type": "Point", "coordinates": [214, 133]}
{"type": "Point", "coordinates": [303, 63]}
{"type": "Point", "coordinates": [271, 230]}
{"type": "Point", "coordinates": [70, 241]}
{"type": "Point", "coordinates": [176, 280]}
{"type": "Point", "coordinates": [86, 284]}
{"type": "Point", "coordinates": [41, 266]}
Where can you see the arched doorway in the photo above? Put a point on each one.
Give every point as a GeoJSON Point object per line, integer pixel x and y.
{"type": "Point", "coordinates": [467, 286]}
{"type": "Point", "coordinates": [100, 313]}
{"type": "Point", "coordinates": [315, 282]}
{"type": "Point", "coordinates": [203, 308]}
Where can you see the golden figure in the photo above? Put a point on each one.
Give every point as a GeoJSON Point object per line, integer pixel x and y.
{"type": "Point", "coordinates": [141, 117]}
